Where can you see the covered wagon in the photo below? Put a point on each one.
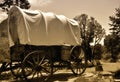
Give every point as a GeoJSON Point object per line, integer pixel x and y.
{"type": "Point", "coordinates": [41, 41]}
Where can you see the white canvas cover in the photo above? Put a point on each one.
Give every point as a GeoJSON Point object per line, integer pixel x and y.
{"type": "Point", "coordinates": [34, 27]}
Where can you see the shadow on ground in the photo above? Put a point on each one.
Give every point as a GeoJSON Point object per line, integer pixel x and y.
{"type": "Point", "coordinates": [5, 76]}
{"type": "Point", "coordinates": [61, 77]}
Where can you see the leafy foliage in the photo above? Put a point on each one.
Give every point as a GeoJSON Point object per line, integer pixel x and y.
{"type": "Point", "coordinates": [115, 22]}
{"type": "Point", "coordinates": [6, 4]}
{"type": "Point", "coordinates": [112, 45]}
{"type": "Point", "coordinates": [98, 51]}
{"type": "Point", "coordinates": [91, 31]}
{"type": "Point", "coordinates": [112, 41]}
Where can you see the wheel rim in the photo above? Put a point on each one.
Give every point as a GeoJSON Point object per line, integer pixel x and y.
{"type": "Point", "coordinates": [16, 57]}
{"type": "Point", "coordinates": [78, 60]}
{"type": "Point", "coordinates": [36, 63]}
{"type": "Point", "coordinates": [16, 69]}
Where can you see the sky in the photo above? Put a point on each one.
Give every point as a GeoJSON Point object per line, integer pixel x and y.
{"type": "Point", "coordinates": [99, 9]}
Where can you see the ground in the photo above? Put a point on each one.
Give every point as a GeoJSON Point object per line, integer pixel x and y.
{"type": "Point", "coordinates": [90, 75]}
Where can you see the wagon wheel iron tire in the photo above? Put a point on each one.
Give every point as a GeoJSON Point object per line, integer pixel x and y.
{"type": "Point", "coordinates": [15, 66]}
{"type": "Point", "coordinates": [78, 60]}
{"type": "Point", "coordinates": [16, 61]}
{"type": "Point", "coordinates": [16, 70]}
{"type": "Point", "coordinates": [35, 65]}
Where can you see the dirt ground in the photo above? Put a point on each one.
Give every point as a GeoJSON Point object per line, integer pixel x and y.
{"type": "Point", "coordinates": [90, 75]}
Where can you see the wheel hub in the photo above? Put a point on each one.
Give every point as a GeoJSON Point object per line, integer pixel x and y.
{"type": "Point", "coordinates": [38, 68]}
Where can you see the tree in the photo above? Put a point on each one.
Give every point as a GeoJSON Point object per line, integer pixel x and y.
{"type": "Point", "coordinates": [91, 31]}
{"type": "Point", "coordinates": [6, 4]}
{"type": "Point", "coordinates": [112, 45]}
{"type": "Point", "coordinates": [112, 41]}
{"type": "Point", "coordinates": [115, 30]}
{"type": "Point", "coordinates": [98, 50]}
{"type": "Point", "coordinates": [115, 22]}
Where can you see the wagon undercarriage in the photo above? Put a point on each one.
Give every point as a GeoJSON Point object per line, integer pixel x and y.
{"type": "Point", "coordinates": [46, 60]}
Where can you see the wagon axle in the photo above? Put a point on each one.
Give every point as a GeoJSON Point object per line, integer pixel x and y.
{"type": "Point", "coordinates": [38, 68]}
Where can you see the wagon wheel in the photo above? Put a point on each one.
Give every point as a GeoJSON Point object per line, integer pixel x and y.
{"type": "Point", "coordinates": [35, 64]}
{"type": "Point", "coordinates": [78, 60]}
{"type": "Point", "coordinates": [15, 65]}
{"type": "Point", "coordinates": [16, 68]}
{"type": "Point", "coordinates": [4, 67]}
{"type": "Point", "coordinates": [17, 53]}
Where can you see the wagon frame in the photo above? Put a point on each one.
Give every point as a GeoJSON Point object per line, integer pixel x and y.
{"type": "Point", "coordinates": [38, 63]}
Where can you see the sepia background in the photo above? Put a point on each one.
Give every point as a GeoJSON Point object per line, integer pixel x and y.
{"type": "Point", "coordinates": [107, 51]}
